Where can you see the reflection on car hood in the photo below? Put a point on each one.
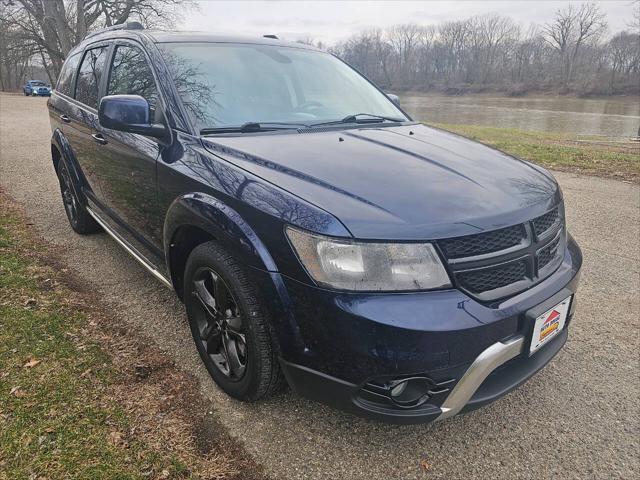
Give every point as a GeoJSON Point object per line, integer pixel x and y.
{"type": "Point", "coordinates": [406, 182]}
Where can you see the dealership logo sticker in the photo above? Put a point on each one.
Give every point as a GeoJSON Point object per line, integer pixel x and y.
{"type": "Point", "coordinates": [550, 325]}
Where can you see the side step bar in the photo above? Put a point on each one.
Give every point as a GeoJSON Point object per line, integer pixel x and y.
{"type": "Point", "coordinates": [145, 263]}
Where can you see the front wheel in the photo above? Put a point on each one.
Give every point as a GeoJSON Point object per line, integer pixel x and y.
{"type": "Point", "coordinates": [230, 325]}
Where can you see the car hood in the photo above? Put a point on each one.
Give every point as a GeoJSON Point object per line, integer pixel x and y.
{"type": "Point", "coordinates": [405, 182]}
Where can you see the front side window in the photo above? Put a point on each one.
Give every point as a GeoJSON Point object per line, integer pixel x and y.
{"type": "Point", "coordinates": [224, 85]}
{"type": "Point", "coordinates": [91, 70]}
{"type": "Point", "coordinates": [131, 75]}
{"type": "Point", "coordinates": [65, 81]}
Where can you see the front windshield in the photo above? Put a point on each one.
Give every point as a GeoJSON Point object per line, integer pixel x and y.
{"type": "Point", "coordinates": [228, 85]}
{"type": "Point", "coordinates": [37, 84]}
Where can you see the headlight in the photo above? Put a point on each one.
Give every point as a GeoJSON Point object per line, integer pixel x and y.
{"type": "Point", "coordinates": [368, 266]}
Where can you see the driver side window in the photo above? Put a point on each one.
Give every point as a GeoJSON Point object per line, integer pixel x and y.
{"type": "Point", "coordinates": [131, 75]}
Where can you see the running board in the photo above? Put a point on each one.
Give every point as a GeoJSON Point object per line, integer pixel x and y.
{"type": "Point", "coordinates": [129, 249]}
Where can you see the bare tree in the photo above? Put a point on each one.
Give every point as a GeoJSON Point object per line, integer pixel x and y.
{"type": "Point", "coordinates": [56, 26]}
{"type": "Point", "coordinates": [570, 31]}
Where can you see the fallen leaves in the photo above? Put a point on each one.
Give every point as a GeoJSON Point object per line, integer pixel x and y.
{"type": "Point", "coordinates": [17, 392]}
{"type": "Point", "coordinates": [31, 363]}
{"type": "Point", "coordinates": [425, 465]}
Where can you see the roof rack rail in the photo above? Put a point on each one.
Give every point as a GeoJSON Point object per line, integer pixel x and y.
{"type": "Point", "coordinates": [120, 26]}
{"type": "Point", "coordinates": [271, 36]}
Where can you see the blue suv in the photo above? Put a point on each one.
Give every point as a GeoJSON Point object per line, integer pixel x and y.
{"type": "Point", "coordinates": [315, 233]}
{"type": "Point", "coordinates": [36, 88]}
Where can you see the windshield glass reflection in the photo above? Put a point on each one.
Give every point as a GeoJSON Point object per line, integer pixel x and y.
{"type": "Point", "coordinates": [226, 85]}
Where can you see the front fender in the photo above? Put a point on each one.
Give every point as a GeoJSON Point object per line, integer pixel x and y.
{"type": "Point", "coordinates": [229, 229]}
{"type": "Point", "coordinates": [220, 221]}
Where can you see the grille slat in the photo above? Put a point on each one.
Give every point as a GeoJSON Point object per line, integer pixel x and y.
{"type": "Point", "coordinates": [548, 253]}
{"type": "Point", "coordinates": [479, 281]}
{"type": "Point", "coordinates": [545, 222]}
{"type": "Point", "coordinates": [483, 243]}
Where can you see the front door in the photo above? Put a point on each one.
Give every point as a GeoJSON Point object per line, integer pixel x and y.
{"type": "Point", "coordinates": [127, 167]}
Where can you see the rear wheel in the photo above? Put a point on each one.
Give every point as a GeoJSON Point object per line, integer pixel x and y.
{"type": "Point", "coordinates": [229, 324]}
{"type": "Point", "coordinates": [79, 218]}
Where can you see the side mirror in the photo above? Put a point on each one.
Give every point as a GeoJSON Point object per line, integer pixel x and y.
{"type": "Point", "coordinates": [128, 113]}
{"type": "Point", "coordinates": [394, 98]}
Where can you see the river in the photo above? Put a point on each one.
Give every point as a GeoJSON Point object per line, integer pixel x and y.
{"type": "Point", "coordinates": [613, 116]}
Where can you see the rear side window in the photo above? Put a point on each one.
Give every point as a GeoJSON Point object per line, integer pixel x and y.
{"type": "Point", "coordinates": [131, 75]}
{"type": "Point", "coordinates": [65, 81]}
{"type": "Point", "coordinates": [91, 70]}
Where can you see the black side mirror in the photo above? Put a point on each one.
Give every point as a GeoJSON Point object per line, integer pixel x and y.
{"type": "Point", "coordinates": [394, 98]}
{"type": "Point", "coordinates": [128, 113]}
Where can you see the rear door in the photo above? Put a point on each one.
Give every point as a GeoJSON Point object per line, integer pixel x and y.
{"type": "Point", "coordinates": [59, 103]}
{"type": "Point", "coordinates": [82, 117]}
{"type": "Point", "coordinates": [127, 167]}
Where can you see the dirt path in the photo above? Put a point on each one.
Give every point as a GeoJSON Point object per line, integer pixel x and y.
{"type": "Point", "coordinates": [579, 418]}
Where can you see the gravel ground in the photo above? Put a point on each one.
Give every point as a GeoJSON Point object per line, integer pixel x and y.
{"type": "Point", "coordinates": [578, 418]}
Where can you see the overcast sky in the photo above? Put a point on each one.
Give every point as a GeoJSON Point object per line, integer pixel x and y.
{"type": "Point", "coordinates": [332, 21]}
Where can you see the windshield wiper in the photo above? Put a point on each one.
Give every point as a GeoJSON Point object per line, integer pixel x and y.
{"type": "Point", "coordinates": [373, 118]}
{"type": "Point", "coordinates": [250, 127]}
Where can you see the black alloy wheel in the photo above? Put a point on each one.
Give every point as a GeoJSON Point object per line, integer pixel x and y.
{"type": "Point", "coordinates": [79, 218]}
{"type": "Point", "coordinates": [68, 196]}
{"type": "Point", "coordinates": [220, 324]}
{"type": "Point", "coordinates": [230, 324]}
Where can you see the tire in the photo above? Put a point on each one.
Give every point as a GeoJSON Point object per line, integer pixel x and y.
{"type": "Point", "coordinates": [79, 218]}
{"type": "Point", "coordinates": [230, 325]}
{"type": "Point", "coordinates": [26, 94]}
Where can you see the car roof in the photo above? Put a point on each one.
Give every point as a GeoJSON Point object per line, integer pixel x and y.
{"type": "Point", "coordinates": [161, 36]}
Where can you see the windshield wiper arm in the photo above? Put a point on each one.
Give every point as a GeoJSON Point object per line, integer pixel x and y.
{"type": "Point", "coordinates": [373, 118]}
{"type": "Point", "coordinates": [249, 127]}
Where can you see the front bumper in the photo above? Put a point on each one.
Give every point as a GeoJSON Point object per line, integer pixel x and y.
{"type": "Point", "coordinates": [471, 353]}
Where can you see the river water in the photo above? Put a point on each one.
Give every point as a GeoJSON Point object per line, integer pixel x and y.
{"type": "Point", "coordinates": [615, 116]}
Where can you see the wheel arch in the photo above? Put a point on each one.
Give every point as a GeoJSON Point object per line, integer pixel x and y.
{"type": "Point", "coordinates": [195, 218]}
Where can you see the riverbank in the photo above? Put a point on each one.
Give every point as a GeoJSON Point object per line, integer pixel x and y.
{"type": "Point", "coordinates": [81, 395]}
{"type": "Point", "coordinates": [591, 155]}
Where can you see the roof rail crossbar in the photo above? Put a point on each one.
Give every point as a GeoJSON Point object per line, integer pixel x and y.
{"type": "Point", "coordinates": [271, 36]}
{"type": "Point", "coordinates": [120, 26]}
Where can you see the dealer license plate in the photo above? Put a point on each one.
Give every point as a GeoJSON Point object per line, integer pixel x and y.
{"type": "Point", "coordinates": [549, 324]}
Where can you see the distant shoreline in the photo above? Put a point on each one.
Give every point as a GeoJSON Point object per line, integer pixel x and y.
{"type": "Point", "coordinates": [505, 94]}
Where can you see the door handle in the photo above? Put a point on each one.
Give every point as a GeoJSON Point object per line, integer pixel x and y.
{"type": "Point", "coordinates": [99, 138]}
{"type": "Point", "coordinates": [65, 119]}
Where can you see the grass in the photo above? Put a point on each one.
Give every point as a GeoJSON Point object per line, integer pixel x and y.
{"type": "Point", "coordinates": [52, 421]}
{"type": "Point", "coordinates": [82, 400]}
{"type": "Point", "coordinates": [589, 155]}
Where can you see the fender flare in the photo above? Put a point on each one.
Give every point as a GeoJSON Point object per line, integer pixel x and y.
{"type": "Point", "coordinates": [59, 141]}
{"type": "Point", "coordinates": [220, 221]}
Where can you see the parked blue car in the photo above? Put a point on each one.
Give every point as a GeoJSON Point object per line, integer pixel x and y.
{"type": "Point", "coordinates": [314, 232]}
{"type": "Point", "coordinates": [36, 88]}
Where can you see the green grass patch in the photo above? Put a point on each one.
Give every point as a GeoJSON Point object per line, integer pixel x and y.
{"type": "Point", "coordinates": [591, 155]}
{"type": "Point", "coordinates": [54, 421]}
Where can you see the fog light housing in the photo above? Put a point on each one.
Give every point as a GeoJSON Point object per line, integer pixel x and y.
{"type": "Point", "coordinates": [410, 392]}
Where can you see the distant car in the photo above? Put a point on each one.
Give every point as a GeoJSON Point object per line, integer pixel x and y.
{"type": "Point", "coordinates": [36, 88]}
